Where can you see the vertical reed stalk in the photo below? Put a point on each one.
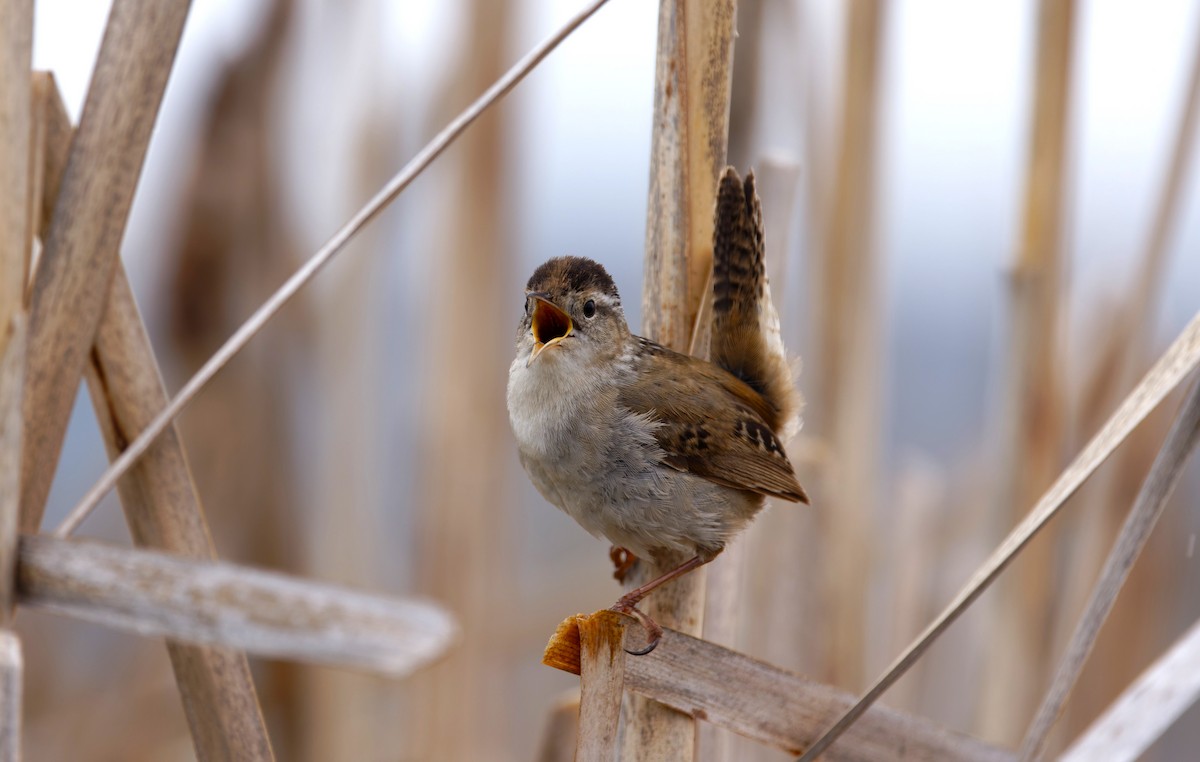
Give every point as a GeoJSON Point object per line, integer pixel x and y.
{"type": "Point", "coordinates": [687, 153]}
{"type": "Point", "coordinates": [846, 365]}
{"type": "Point", "coordinates": [1031, 420]}
{"type": "Point", "coordinates": [464, 556]}
{"type": "Point", "coordinates": [16, 43]}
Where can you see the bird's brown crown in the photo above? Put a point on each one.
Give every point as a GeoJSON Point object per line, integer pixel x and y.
{"type": "Point", "coordinates": [563, 275]}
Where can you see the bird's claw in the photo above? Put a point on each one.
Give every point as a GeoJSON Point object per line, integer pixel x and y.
{"type": "Point", "coordinates": [622, 561]}
{"type": "Point", "coordinates": [654, 630]}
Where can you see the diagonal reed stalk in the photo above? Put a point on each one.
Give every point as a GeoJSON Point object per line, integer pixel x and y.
{"type": "Point", "coordinates": [302, 276]}
{"type": "Point", "coordinates": [1139, 717]}
{"type": "Point", "coordinates": [81, 249]}
{"type": "Point", "coordinates": [1151, 500]}
{"type": "Point", "coordinates": [1179, 361]}
{"type": "Point", "coordinates": [160, 502]}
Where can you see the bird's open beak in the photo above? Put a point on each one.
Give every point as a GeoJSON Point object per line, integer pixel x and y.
{"type": "Point", "coordinates": [550, 326]}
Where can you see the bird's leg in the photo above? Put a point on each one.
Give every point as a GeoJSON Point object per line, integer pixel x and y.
{"type": "Point", "coordinates": [622, 561]}
{"type": "Point", "coordinates": [627, 604]}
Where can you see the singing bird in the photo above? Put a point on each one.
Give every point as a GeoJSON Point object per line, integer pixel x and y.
{"type": "Point", "coordinates": [653, 449]}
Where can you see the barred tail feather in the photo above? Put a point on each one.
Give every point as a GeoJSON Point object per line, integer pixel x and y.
{"type": "Point", "coordinates": [746, 337]}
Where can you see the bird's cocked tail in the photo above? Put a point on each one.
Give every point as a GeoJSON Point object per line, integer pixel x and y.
{"type": "Point", "coordinates": [745, 327]}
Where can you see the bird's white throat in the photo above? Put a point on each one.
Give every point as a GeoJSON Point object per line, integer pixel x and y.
{"type": "Point", "coordinates": [546, 399]}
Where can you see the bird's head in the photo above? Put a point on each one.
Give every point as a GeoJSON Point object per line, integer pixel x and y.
{"type": "Point", "coordinates": [572, 309]}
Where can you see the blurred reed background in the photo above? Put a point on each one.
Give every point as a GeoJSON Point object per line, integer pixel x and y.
{"type": "Point", "coordinates": [983, 225]}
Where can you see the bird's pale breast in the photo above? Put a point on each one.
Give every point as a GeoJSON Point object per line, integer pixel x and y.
{"type": "Point", "coordinates": [600, 463]}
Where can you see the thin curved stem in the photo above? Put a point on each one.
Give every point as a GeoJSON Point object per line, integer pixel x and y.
{"type": "Point", "coordinates": [255, 322]}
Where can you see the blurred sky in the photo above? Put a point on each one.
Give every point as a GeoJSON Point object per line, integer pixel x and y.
{"type": "Point", "coordinates": [955, 123]}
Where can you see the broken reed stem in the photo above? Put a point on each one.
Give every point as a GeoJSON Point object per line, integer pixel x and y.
{"type": "Point", "coordinates": [1178, 362]}
{"type": "Point", "coordinates": [1148, 507]}
{"type": "Point", "coordinates": [80, 252]}
{"type": "Point", "coordinates": [271, 307]}
{"type": "Point", "coordinates": [764, 703]}
{"type": "Point", "coordinates": [602, 684]}
{"type": "Point", "coordinates": [1149, 706]}
{"type": "Point", "coordinates": [221, 604]}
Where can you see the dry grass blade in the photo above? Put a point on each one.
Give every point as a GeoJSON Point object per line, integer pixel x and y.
{"type": "Point", "coordinates": [602, 683]}
{"type": "Point", "coordinates": [310, 268]}
{"type": "Point", "coordinates": [214, 603]}
{"type": "Point", "coordinates": [12, 669]}
{"type": "Point", "coordinates": [81, 251]}
{"type": "Point", "coordinates": [1146, 709]}
{"type": "Point", "coordinates": [765, 703]}
{"type": "Point", "coordinates": [1151, 501]}
{"type": "Point", "coordinates": [1176, 364]}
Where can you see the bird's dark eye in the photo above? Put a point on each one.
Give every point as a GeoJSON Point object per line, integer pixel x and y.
{"type": "Point", "coordinates": [589, 309]}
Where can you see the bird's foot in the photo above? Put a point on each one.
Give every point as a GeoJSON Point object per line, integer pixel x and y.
{"type": "Point", "coordinates": [622, 561]}
{"type": "Point", "coordinates": [654, 631]}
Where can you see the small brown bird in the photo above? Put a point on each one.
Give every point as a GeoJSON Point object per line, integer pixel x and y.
{"type": "Point", "coordinates": [654, 449]}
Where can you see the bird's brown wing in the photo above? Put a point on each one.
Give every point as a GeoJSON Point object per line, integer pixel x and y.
{"type": "Point", "coordinates": [711, 424]}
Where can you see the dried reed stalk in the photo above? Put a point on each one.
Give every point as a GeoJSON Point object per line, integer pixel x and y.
{"type": "Point", "coordinates": [51, 140]}
{"type": "Point", "coordinates": [220, 604]}
{"type": "Point", "coordinates": [1141, 715]}
{"type": "Point", "coordinates": [602, 684]}
{"type": "Point", "coordinates": [283, 295]}
{"type": "Point", "coordinates": [687, 153]}
{"type": "Point", "coordinates": [12, 669]}
{"type": "Point", "coordinates": [464, 540]}
{"type": "Point", "coordinates": [164, 513]}
{"type": "Point", "coordinates": [16, 44]}
{"type": "Point", "coordinates": [82, 248]}
{"type": "Point", "coordinates": [846, 361]}
{"type": "Point", "coordinates": [1125, 352]}
{"type": "Point", "coordinates": [1031, 421]}
{"type": "Point", "coordinates": [765, 703]}
{"type": "Point", "coordinates": [13, 336]}
{"type": "Point", "coordinates": [1146, 510]}
{"type": "Point", "coordinates": [1179, 361]}
{"type": "Point", "coordinates": [561, 735]}
{"type": "Point", "coordinates": [159, 499]}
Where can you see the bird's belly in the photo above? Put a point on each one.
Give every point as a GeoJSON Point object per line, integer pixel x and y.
{"type": "Point", "coordinates": [646, 509]}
